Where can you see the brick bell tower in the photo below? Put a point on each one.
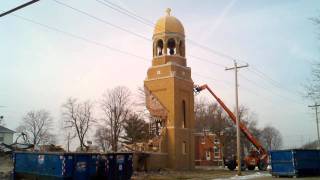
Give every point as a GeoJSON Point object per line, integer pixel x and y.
{"type": "Point", "coordinates": [169, 94]}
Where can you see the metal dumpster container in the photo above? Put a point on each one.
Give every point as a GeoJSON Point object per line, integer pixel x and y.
{"type": "Point", "coordinates": [120, 166]}
{"type": "Point", "coordinates": [103, 167]}
{"type": "Point", "coordinates": [295, 162]}
{"type": "Point", "coordinates": [49, 165]}
{"type": "Point", "coordinates": [85, 166]}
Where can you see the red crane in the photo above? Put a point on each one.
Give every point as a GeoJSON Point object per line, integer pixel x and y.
{"type": "Point", "coordinates": [258, 157]}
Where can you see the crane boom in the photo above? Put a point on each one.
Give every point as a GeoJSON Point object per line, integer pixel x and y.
{"type": "Point", "coordinates": [243, 128]}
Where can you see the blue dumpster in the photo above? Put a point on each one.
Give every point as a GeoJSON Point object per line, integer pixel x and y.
{"type": "Point", "coordinates": [112, 172]}
{"type": "Point", "coordinates": [47, 165]}
{"type": "Point", "coordinates": [103, 167]}
{"type": "Point", "coordinates": [295, 162]}
{"type": "Point", "coordinates": [120, 166]}
{"type": "Point", "coordinates": [86, 166]}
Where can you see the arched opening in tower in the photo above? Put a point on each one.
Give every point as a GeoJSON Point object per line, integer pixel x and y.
{"type": "Point", "coordinates": [171, 47]}
{"type": "Point", "coordinates": [160, 47]}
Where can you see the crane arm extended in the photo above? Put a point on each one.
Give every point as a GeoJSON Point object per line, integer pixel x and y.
{"type": "Point", "coordinates": [243, 128]}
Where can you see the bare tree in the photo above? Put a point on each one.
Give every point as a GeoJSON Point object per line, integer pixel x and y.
{"type": "Point", "coordinates": [249, 119]}
{"type": "Point", "coordinates": [102, 138]}
{"type": "Point", "coordinates": [201, 114]}
{"type": "Point", "coordinates": [313, 86]}
{"type": "Point", "coordinates": [37, 126]}
{"type": "Point", "coordinates": [78, 118]}
{"type": "Point", "coordinates": [311, 145]}
{"type": "Point", "coordinates": [139, 103]}
{"type": "Point", "coordinates": [210, 116]}
{"type": "Point", "coordinates": [271, 137]}
{"type": "Point", "coordinates": [115, 105]}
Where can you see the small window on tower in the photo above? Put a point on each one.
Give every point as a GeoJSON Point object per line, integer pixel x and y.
{"type": "Point", "coordinates": [172, 47]}
{"type": "Point", "coordinates": [184, 123]}
{"type": "Point", "coordinates": [159, 48]}
{"type": "Point", "coordinates": [182, 49]}
{"type": "Point", "coordinates": [184, 147]}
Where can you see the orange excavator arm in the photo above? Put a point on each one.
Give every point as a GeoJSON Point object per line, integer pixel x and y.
{"type": "Point", "coordinates": [243, 128]}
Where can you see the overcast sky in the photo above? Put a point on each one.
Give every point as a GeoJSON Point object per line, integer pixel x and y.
{"type": "Point", "coordinates": [41, 68]}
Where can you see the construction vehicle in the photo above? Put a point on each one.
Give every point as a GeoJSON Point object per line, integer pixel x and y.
{"type": "Point", "coordinates": [256, 158]}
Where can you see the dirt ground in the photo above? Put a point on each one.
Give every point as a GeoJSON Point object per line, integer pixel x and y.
{"type": "Point", "coordinates": [198, 173]}
{"type": "Point", "coordinates": [5, 166]}
{"type": "Point", "coordinates": [212, 173]}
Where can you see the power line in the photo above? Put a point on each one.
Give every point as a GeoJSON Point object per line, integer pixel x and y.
{"type": "Point", "coordinates": [210, 78]}
{"type": "Point", "coordinates": [252, 92]}
{"type": "Point", "coordinates": [127, 13]}
{"type": "Point", "coordinates": [94, 42]}
{"type": "Point", "coordinates": [114, 49]}
{"type": "Point", "coordinates": [125, 30]}
{"type": "Point", "coordinates": [101, 20]}
{"type": "Point", "coordinates": [272, 81]}
{"type": "Point", "coordinates": [144, 21]}
{"type": "Point", "coordinates": [207, 60]}
{"type": "Point", "coordinates": [106, 46]}
{"type": "Point", "coordinates": [256, 93]}
{"type": "Point", "coordinates": [81, 38]}
{"type": "Point", "coordinates": [98, 43]}
{"type": "Point", "coordinates": [18, 7]}
{"type": "Point", "coordinates": [221, 54]}
{"type": "Point", "coordinates": [153, 25]}
{"type": "Point", "coordinates": [265, 88]}
{"type": "Point", "coordinates": [212, 50]}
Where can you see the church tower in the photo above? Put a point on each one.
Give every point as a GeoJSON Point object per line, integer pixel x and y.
{"type": "Point", "coordinates": [169, 93]}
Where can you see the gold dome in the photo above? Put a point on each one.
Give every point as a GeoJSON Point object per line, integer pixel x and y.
{"type": "Point", "coordinates": [168, 24]}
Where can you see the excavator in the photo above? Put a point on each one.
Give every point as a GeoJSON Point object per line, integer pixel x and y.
{"type": "Point", "coordinates": [257, 157]}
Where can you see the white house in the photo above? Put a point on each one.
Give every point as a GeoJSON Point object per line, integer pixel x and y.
{"type": "Point", "coordinates": [6, 135]}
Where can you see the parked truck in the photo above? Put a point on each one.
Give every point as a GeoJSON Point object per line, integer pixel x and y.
{"type": "Point", "coordinates": [256, 158]}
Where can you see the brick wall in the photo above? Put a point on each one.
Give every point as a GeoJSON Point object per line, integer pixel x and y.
{"type": "Point", "coordinates": [208, 149]}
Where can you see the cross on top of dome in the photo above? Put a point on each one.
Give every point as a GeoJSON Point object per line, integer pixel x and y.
{"type": "Point", "coordinates": [168, 11]}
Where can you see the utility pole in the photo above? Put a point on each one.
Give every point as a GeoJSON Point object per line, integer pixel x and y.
{"type": "Point", "coordinates": [235, 68]}
{"type": "Point", "coordinates": [18, 7]}
{"type": "Point", "coordinates": [315, 106]}
{"type": "Point", "coordinates": [68, 143]}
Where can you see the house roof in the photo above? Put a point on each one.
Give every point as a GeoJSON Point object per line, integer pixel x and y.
{"type": "Point", "coordinates": [5, 130]}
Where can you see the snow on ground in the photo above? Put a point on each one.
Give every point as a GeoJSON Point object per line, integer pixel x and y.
{"type": "Point", "coordinates": [250, 176]}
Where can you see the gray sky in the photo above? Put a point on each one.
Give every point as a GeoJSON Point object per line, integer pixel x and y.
{"type": "Point", "coordinates": [41, 67]}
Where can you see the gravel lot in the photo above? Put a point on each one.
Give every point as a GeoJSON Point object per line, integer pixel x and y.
{"type": "Point", "coordinates": [5, 166]}
{"type": "Point", "coordinates": [210, 173]}
{"type": "Point", "coordinates": [205, 173]}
